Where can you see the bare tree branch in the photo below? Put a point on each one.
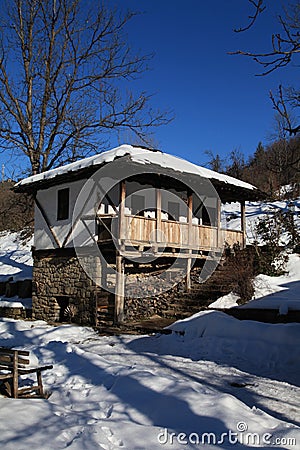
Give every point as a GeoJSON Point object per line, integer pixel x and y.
{"type": "Point", "coordinates": [74, 70]}
{"type": "Point", "coordinates": [258, 9]}
{"type": "Point", "coordinates": [285, 47]}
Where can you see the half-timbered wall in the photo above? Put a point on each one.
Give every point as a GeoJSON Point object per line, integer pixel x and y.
{"type": "Point", "coordinates": [50, 231]}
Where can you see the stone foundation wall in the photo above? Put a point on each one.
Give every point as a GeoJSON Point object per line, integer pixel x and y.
{"type": "Point", "coordinates": [147, 295]}
{"type": "Point", "coordinates": [20, 288]}
{"type": "Point", "coordinates": [62, 291]}
{"type": "Point", "coordinates": [15, 313]}
{"type": "Point", "coordinates": [168, 296]}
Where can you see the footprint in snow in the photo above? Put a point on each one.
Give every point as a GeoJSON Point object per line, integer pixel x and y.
{"type": "Point", "coordinates": [104, 412]}
{"type": "Point", "coordinates": [109, 411]}
{"type": "Point", "coordinates": [111, 437]}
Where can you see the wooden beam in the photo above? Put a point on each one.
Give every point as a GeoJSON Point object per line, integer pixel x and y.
{"type": "Point", "coordinates": [218, 219]}
{"type": "Point", "coordinates": [158, 215]}
{"type": "Point", "coordinates": [120, 266]}
{"type": "Point", "coordinates": [45, 217]}
{"type": "Point", "coordinates": [79, 216]}
{"type": "Point", "coordinates": [107, 196]}
{"type": "Point", "coordinates": [120, 289]}
{"type": "Point", "coordinates": [190, 238]}
{"type": "Point", "coordinates": [122, 231]}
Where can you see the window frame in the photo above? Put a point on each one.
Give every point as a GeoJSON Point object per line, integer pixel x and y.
{"type": "Point", "coordinates": [63, 204]}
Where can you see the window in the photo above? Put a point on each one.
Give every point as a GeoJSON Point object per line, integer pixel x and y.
{"type": "Point", "coordinates": [138, 204]}
{"type": "Point", "coordinates": [63, 204]}
{"type": "Point", "coordinates": [173, 210]}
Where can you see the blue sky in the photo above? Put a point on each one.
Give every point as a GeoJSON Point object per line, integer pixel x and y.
{"type": "Point", "coordinates": [218, 102]}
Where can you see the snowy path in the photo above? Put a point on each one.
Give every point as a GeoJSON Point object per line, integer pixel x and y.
{"type": "Point", "coordinates": [279, 398]}
{"type": "Point", "coordinates": [123, 391]}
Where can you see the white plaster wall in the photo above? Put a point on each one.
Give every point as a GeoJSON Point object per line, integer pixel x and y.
{"type": "Point", "coordinates": [43, 238]}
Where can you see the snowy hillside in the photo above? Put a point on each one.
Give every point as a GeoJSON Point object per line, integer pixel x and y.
{"type": "Point", "coordinates": [15, 256]}
{"type": "Point", "coordinates": [255, 211]}
{"type": "Point", "coordinates": [280, 293]}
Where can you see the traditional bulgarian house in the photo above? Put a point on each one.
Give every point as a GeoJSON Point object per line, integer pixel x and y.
{"type": "Point", "coordinates": [104, 222]}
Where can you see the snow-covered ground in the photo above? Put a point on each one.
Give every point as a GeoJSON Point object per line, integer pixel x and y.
{"type": "Point", "coordinates": [238, 381]}
{"type": "Point", "coordinates": [280, 292]}
{"type": "Point", "coordinates": [15, 257]}
{"type": "Point", "coordinates": [214, 382]}
{"type": "Point", "coordinates": [231, 215]}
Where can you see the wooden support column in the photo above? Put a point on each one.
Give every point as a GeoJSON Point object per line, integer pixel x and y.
{"type": "Point", "coordinates": [120, 265]}
{"type": "Point", "coordinates": [243, 222]}
{"type": "Point", "coordinates": [122, 228]}
{"type": "Point", "coordinates": [158, 215]}
{"type": "Point", "coordinates": [218, 220]}
{"type": "Point", "coordinates": [190, 239]}
{"type": "Point", "coordinates": [120, 289]}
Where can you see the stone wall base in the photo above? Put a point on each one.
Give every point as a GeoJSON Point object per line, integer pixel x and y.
{"type": "Point", "coordinates": [15, 313]}
{"type": "Point", "coordinates": [62, 291]}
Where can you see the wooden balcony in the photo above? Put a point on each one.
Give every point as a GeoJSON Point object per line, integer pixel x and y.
{"type": "Point", "coordinates": [139, 231]}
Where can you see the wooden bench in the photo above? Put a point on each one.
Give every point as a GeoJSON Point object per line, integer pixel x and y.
{"type": "Point", "coordinates": [13, 364]}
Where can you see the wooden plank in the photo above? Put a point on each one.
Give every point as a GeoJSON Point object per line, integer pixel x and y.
{"type": "Point", "coordinates": [15, 375]}
{"type": "Point", "coordinates": [6, 376]}
{"type": "Point", "coordinates": [16, 366]}
{"type": "Point", "coordinates": [34, 369]}
{"type": "Point", "coordinates": [140, 230]}
{"type": "Point", "coordinates": [40, 382]}
{"type": "Point", "coordinates": [10, 351]}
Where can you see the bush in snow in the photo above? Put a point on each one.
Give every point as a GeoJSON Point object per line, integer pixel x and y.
{"type": "Point", "coordinates": [243, 273]}
{"type": "Point", "coordinates": [277, 231]}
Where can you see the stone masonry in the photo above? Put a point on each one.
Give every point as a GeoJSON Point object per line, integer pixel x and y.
{"type": "Point", "coordinates": [62, 290]}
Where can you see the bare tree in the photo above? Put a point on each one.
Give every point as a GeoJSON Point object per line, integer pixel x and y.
{"type": "Point", "coordinates": [236, 165]}
{"type": "Point", "coordinates": [215, 162]}
{"type": "Point", "coordinates": [285, 47]}
{"type": "Point", "coordinates": [64, 80]}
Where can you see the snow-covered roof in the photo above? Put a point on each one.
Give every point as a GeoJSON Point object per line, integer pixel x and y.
{"type": "Point", "coordinates": [140, 156]}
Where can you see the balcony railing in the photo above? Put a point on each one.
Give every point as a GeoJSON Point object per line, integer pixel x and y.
{"type": "Point", "coordinates": [139, 230]}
